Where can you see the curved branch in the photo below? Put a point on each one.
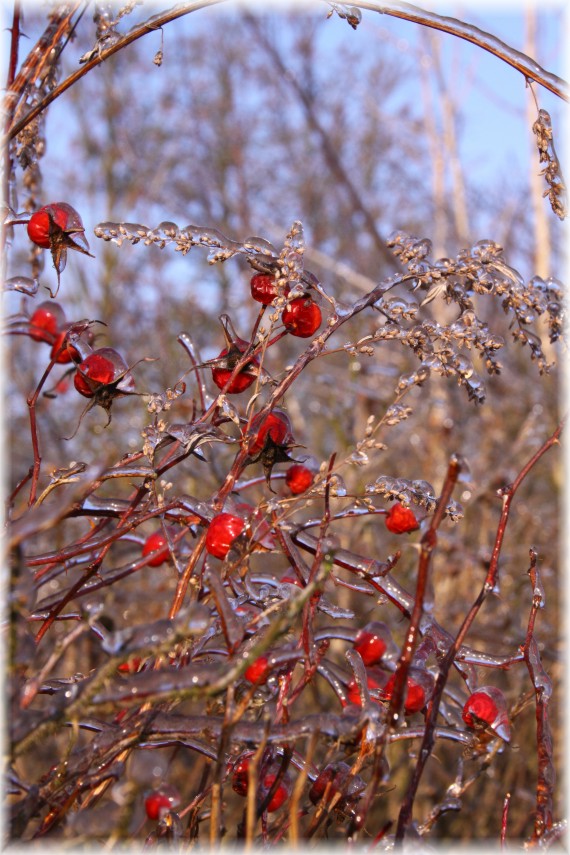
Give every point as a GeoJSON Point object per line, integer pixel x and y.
{"type": "Point", "coordinates": [527, 66]}
{"type": "Point", "coordinates": [523, 63]}
{"type": "Point", "coordinates": [154, 23]}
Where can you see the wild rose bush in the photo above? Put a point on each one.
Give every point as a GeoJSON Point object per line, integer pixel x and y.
{"type": "Point", "coordinates": [310, 600]}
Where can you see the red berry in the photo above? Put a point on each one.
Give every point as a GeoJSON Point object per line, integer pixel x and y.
{"type": "Point", "coordinates": [131, 666]}
{"type": "Point", "coordinates": [275, 426]}
{"type": "Point", "coordinates": [153, 542]}
{"type": "Point", "coordinates": [354, 693]}
{"type": "Point", "coordinates": [302, 317]}
{"type": "Point", "coordinates": [298, 478]}
{"type": "Point", "coordinates": [46, 320]}
{"type": "Point", "coordinates": [281, 794]}
{"type": "Point", "coordinates": [419, 687]}
{"type": "Point", "coordinates": [64, 353]}
{"type": "Point", "coordinates": [39, 223]}
{"type": "Point", "coordinates": [487, 708]}
{"type": "Point", "coordinates": [240, 777]}
{"type": "Point", "coordinates": [62, 386]}
{"type": "Point", "coordinates": [222, 531]}
{"type": "Point", "coordinates": [95, 371]}
{"type": "Point", "coordinates": [336, 775]}
{"type": "Point", "coordinates": [160, 802]}
{"type": "Point", "coordinates": [400, 520]}
{"type": "Point", "coordinates": [240, 782]}
{"type": "Point", "coordinates": [264, 288]}
{"type": "Point", "coordinates": [371, 642]}
{"type": "Point", "coordinates": [222, 373]}
{"type": "Point", "coordinates": [258, 671]}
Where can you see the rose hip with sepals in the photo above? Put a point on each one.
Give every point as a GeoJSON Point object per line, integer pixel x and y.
{"type": "Point", "coordinates": [298, 478]}
{"type": "Point", "coordinates": [161, 801]}
{"type": "Point", "coordinates": [222, 531]}
{"type": "Point", "coordinates": [419, 688]}
{"type": "Point", "coordinates": [401, 520]}
{"type": "Point", "coordinates": [271, 429]}
{"type": "Point", "coordinates": [302, 317]}
{"type": "Point", "coordinates": [372, 641]}
{"type": "Point", "coordinates": [487, 708]}
{"type": "Point", "coordinates": [155, 541]}
{"type": "Point", "coordinates": [103, 375]}
{"type": "Point", "coordinates": [227, 361]}
{"type": "Point", "coordinates": [56, 221]}
{"type": "Point", "coordinates": [41, 223]}
{"type": "Point", "coordinates": [46, 321]}
{"type": "Point", "coordinates": [269, 440]}
{"type": "Point", "coordinates": [95, 371]}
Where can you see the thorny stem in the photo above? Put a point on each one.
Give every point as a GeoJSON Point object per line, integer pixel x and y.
{"type": "Point", "coordinates": [32, 401]}
{"type": "Point", "coordinates": [394, 712]}
{"type": "Point", "coordinates": [543, 689]}
{"type": "Point", "coordinates": [489, 584]}
{"type": "Point", "coordinates": [184, 580]}
{"type": "Point", "coordinates": [428, 544]}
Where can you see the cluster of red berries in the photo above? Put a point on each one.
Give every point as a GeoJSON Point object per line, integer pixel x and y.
{"type": "Point", "coordinates": [100, 369]}
{"type": "Point", "coordinates": [301, 317]}
{"type": "Point", "coordinates": [240, 782]}
{"type": "Point", "coordinates": [48, 324]}
{"type": "Point", "coordinates": [373, 642]}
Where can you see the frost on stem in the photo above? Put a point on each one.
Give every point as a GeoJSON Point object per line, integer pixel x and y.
{"type": "Point", "coordinates": [476, 273]}
{"type": "Point", "coordinates": [221, 248]}
{"type": "Point", "coordinates": [542, 129]}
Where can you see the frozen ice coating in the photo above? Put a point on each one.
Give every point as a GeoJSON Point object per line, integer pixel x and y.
{"type": "Point", "coordinates": [304, 534]}
{"type": "Point", "coordinates": [24, 284]}
{"type": "Point", "coordinates": [526, 65]}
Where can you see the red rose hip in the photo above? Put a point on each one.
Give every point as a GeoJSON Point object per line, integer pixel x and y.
{"type": "Point", "coordinates": [275, 427]}
{"type": "Point", "coordinates": [222, 532]}
{"type": "Point", "coordinates": [372, 641]}
{"type": "Point", "coordinates": [374, 684]}
{"type": "Point", "coordinates": [298, 478]}
{"type": "Point", "coordinates": [95, 371]}
{"type": "Point", "coordinates": [152, 543]}
{"type": "Point", "coordinates": [281, 794]}
{"type": "Point", "coordinates": [487, 708]}
{"type": "Point", "coordinates": [39, 224]}
{"type": "Point", "coordinates": [230, 357]}
{"type": "Point", "coordinates": [418, 691]}
{"type": "Point", "coordinates": [46, 321]}
{"type": "Point", "coordinates": [401, 520]}
{"type": "Point", "coordinates": [258, 671]}
{"type": "Point", "coordinates": [264, 288]}
{"type": "Point", "coordinates": [302, 317]}
{"type": "Point", "coordinates": [160, 802]}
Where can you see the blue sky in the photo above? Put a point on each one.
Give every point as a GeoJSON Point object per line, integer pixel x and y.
{"type": "Point", "coordinates": [495, 141]}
